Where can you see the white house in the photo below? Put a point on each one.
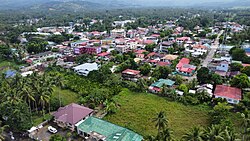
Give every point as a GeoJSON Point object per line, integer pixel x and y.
{"type": "Point", "coordinates": [84, 69]}
{"type": "Point", "coordinates": [231, 94]}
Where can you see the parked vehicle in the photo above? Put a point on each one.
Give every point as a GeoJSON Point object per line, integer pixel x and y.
{"type": "Point", "coordinates": [52, 129]}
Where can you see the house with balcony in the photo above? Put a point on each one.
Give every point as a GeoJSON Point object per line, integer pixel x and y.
{"type": "Point", "coordinates": [122, 48]}
{"type": "Point", "coordinates": [118, 33]}
{"type": "Point", "coordinates": [219, 66]}
{"type": "Point", "coordinates": [181, 40]}
{"type": "Point", "coordinates": [132, 75]}
{"type": "Point", "coordinates": [164, 46]}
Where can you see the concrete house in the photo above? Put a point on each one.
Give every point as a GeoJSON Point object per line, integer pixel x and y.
{"type": "Point", "coordinates": [231, 94]}
{"type": "Point", "coordinates": [68, 116]}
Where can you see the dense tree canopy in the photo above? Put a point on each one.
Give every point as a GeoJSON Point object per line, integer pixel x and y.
{"type": "Point", "coordinates": [203, 75]}
{"type": "Point", "coordinates": [240, 81]}
{"type": "Point", "coordinates": [161, 72]}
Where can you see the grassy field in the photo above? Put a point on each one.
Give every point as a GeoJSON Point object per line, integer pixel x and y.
{"type": "Point", "coordinates": [137, 110]}
{"type": "Point", "coordinates": [67, 96]}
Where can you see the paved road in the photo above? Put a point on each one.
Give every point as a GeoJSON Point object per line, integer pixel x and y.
{"type": "Point", "coordinates": [209, 57]}
{"type": "Point", "coordinates": [211, 53]}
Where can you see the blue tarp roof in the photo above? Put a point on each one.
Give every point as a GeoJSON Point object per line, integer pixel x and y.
{"type": "Point", "coordinates": [10, 73]}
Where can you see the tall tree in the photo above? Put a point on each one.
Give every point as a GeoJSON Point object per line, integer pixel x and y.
{"type": "Point", "coordinates": [214, 133]}
{"type": "Point", "coordinates": [203, 75]}
{"type": "Point", "coordinates": [161, 121]}
{"type": "Point", "coordinates": [245, 126]}
{"type": "Point", "coordinates": [2, 128]}
{"type": "Point", "coordinates": [195, 134]}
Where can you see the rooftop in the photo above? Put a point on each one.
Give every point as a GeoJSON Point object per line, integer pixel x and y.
{"type": "Point", "coordinates": [162, 82]}
{"type": "Point", "coordinates": [111, 131]}
{"type": "Point", "coordinates": [227, 91]}
{"type": "Point", "coordinates": [72, 113]}
{"type": "Point", "coordinates": [131, 72]}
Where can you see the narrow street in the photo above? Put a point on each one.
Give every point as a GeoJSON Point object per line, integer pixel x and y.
{"type": "Point", "coordinates": [211, 53]}
{"type": "Point", "coordinates": [209, 57]}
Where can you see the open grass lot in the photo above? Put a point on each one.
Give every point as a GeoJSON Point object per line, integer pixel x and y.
{"type": "Point", "coordinates": [137, 110]}
{"type": "Point", "coordinates": [67, 96]}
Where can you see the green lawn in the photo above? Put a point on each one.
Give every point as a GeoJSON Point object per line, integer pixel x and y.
{"type": "Point", "coordinates": [137, 110]}
{"type": "Point", "coordinates": [39, 119]}
{"type": "Point", "coordinates": [67, 96]}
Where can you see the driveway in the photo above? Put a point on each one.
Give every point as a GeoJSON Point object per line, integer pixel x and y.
{"type": "Point", "coordinates": [44, 135]}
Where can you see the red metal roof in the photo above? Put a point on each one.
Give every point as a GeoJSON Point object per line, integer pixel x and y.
{"type": "Point", "coordinates": [245, 65]}
{"type": "Point", "coordinates": [163, 63]}
{"type": "Point", "coordinates": [148, 42]}
{"type": "Point", "coordinates": [153, 61]}
{"type": "Point", "coordinates": [131, 72]}
{"type": "Point", "coordinates": [228, 92]}
{"type": "Point", "coordinates": [155, 89]}
{"type": "Point", "coordinates": [199, 46]}
{"type": "Point", "coordinates": [140, 51]}
{"type": "Point", "coordinates": [103, 54]}
{"type": "Point", "coordinates": [151, 54]}
{"type": "Point", "coordinates": [182, 62]}
{"type": "Point", "coordinates": [155, 35]}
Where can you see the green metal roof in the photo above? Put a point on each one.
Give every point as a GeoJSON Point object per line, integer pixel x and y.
{"type": "Point", "coordinates": [80, 41]}
{"type": "Point", "coordinates": [162, 82]}
{"type": "Point", "coordinates": [111, 131]}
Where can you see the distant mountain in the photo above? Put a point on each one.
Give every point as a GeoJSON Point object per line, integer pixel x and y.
{"type": "Point", "coordinates": [74, 5]}
{"type": "Point", "coordinates": [236, 3]}
{"type": "Point", "coordinates": [109, 4]}
{"type": "Point", "coordinates": [66, 6]}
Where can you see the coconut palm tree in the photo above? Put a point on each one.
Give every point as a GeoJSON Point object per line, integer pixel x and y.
{"type": "Point", "coordinates": [110, 106]}
{"type": "Point", "coordinates": [245, 126]}
{"type": "Point", "coordinates": [59, 81]}
{"type": "Point", "coordinates": [2, 128]}
{"type": "Point", "coordinates": [166, 135]}
{"type": "Point", "coordinates": [28, 96]}
{"type": "Point", "coordinates": [161, 121]}
{"type": "Point", "coordinates": [195, 134]}
{"type": "Point", "coordinates": [151, 138]}
{"type": "Point", "coordinates": [230, 135]}
{"type": "Point", "coordinates": [165, 90]}
{"type": "Point", "coordinates": [214, 133]}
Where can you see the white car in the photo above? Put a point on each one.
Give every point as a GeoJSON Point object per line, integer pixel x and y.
{"type": "Point", "coordinates": [52, 129]}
